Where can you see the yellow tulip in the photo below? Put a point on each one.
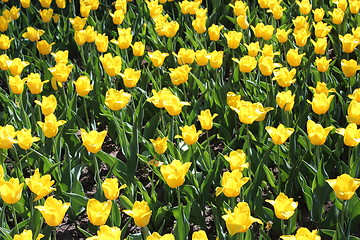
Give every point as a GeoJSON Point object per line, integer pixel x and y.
{"type": "Point", "coordinates": [206, 119]}
{"type": "Point", "coordinates": [342, 4]}
{"type": "Point", "coordinates": [277, 11]}
{"type": "Point", "coordinates": [316, 133]}
{"type": "Point", "coordinates": [48, 104]}
{"type": "Point", "coordinates": [25, 3]}
{"type": "Point", "coordinates": [246, 63]}
{"type": "Point", "coordinates": [321, 29]}
{"type": "Point", "coordinates": [53, 211]}
{"type": "Point", "coordinates": [267, 65]}
{"type": "Point", "coordinates": [155, 8]}
{"type": "Point", "coordinates": [321, 103]}
{"type": "Point", "coordinates": [108, 233]}
{"type": "Point", "coordinates": [304, 6]}
{"type": "Point", "coordinates": [263, 111]}
{"type": "Point", "coordinates": [301, 37]}
{"type": "Point", "coordinates": [50, 126]}
{"type": "Point", "coordinates": [160, 144]}
{"type": "Point", "coordinates": [16, 84]}
{"type": "Point", "coordinates": [351, 135]}
{"type": "Point", "coordinates": [318, 14]}
{"type": "Point", "coordinates": [4, 24]}
{"type": "Point", "coordinates": [354, 6]}
{"type": "Point", "coordinates": [202, 57]}
{"type": "Point", "coordinates": [27, 235]}
{"type": "Point", "coordinates": [240, 220]}
{"type": "Point", "coordinates": [355, 95]}
{"type": "Point", "coordinates": [138, 49]}
{"type": "Point", "coordinates": [240, 8]}
{"type": "Point", "coordinates": [93, 140]}
{"type": "Point", "coordinates": [34, 83]}
{"type": "Point", "coordinates": [118, 16]}
{"type": "Point", "coordinates": [180, 74]}
{"type": "Point", "coordinates": [280, 134]}
{"type": "Point", "coordinates": [10, 191]}
{"type": "Point", "coordinates": [173, 105]}
{"type": "Point", "coordinates": [44, 47]}
{"type": "Point", "coordinates": [101, 42]}
{"type": "Point", "coordinates": [322, 64]}
{"type": "Point", "coordinates": [116, 100]}
{"type": "Point", "coordinates": [141, 213]}
{"type": "Point", "coordinates": [349, 42]}
{"type": "Point", "coordinates": [45, 3]}
{"type": "Point", "coordinates": [61, 72]}
{"type": "Point", "coordinates": [78, 23]}
{"type": "Point", "coordinates": [337, 16]}
{"type": "Point", "coordinates": [199, 24]}
{"type": "Point", "coordinates": [156, 236]}
{"type": "Point", "coordinates": [98, 212]}
{"type": "Point", "coordinates": [284, 207]}
{"type": "Point", "coordinates": [157, 58]}
{"type": "Point", "coordinates": [354, 112]}
{"type": "Point", "coordinates": [300, 22]}
{"type": "Point", "coordinates": [189, 134]}
{"type": "Point", "coordinates": [111, 188]}
{"type": "Point", "coordinates": [233, 39]}
{"type": "Point", "coordinates": [111, 65]}
{"type": "Point", "coordinates": [320, 45]}
{"type": "Point", "coordinates": [237, 160]}
{"type": "Point", "coordinates": [125, 38]}
{"type": "Point", "coordinates": [7, 135]}
{"type": "Point", "coordinates": [293, 57]}
{"type": "Point", "coordinates": [258, 30]}
{"type": "Point", "coordinates": [231, 183]}
{"type": "Point", "coordinates": [285, 100]}
{"type": "Point", "coordinates": [214, 32]}
{"type": "Point", "coordinates": [25, 140]}
{"type": "Point", "coordinates": [16, 66]}
{"type": "Point", "coordinates": [5, 42]}
{"type": "Point", "coordinates": [322, 88]}
{"type": "Point", "coordinates": [248, 112]}
{"type": "Point", "coordinates": [199, 235]}
{"type": "Point", "coordinates": [344, 186]}
{"type": "Point", "coordinates": [302, 234]}
{"type": "Point", "coordinates": [3, 62]}
{"type": "Point", "coordinates": [130, 77]}
{"type": "Point", "coordinates": [46, 15]}
{"type": "Point", "coordinates": [41, 186]}
{"type": "Point", "coordinates": [83, 86]}
{"type": "Point", "coordinates": [349, 67]}
{"type": "Point", "coordinates": [264, 3]}
{"type": "Point", "coordinates": [216, 59]}
{"type": "Point", "coordinates": [185, 56]}
{"type": "Point", "coordinates": [253, 49]}
{"type": "Point", "coordinates": [61, 56]}
{"type": "Point", "coordinates": [284, 77]}
{"type": "Point", "coordinates": [32, 34]}
{"type": "Point", "coordinates": [174, 173]}
{"type": "Point", "coordinates": [171, 28]}
{"type": "Point", "coordinates": [90, 34]}
{"type": "Point", "coordinates": [268, 31]}
{"type": "Point", "coordinates": [158, 97]}
{"type": "Point", "coordinates": [242, 22]}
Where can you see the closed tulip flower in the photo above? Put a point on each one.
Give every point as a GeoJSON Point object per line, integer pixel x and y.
{"type": "Point", "coordinates": [61, 56]}
{"type": "Point", "coordinates": [5, 42]}
{"type": "Point", "coordinates": [344, 186]}
{"type": "Point", "coordinates": [130, 77]}
{"type": "Point", "coordinates": [157, 58]}
{"type": "Point", "coordinates": [248, 112]}
{"type": "Point", "coordinates": [349, 67]}
{"type": "Point", "coordinates": [202, 57]}
{"type": "Point", "coordinates": [316, 133]}
{"type": "Point", "coordinates": [239, 8]}
{"type": "Point", "coordinates": [277, 11]}
{"type": "Point", "coordinates": [101, 42]}
{"type": "Point", "coordinates": [268, 31]}
{"type": "Point", "coordinates": [98, 212]}
{"type": "Point", "coordinates": [16, 66]}
{"type": "Point", "coordinates": [116, 100]}
{"type": "Point", "coordinates": [354, 112]}
{"type": "Point", "coordinates": [246, 63]}
{"type": "Point", "coordinates": [285, 100]}
{"type": "Point", "coordinates": [93, 140]}
{"type": "Point", "coordinates": [140, 213]}
{"type": "Point", "coordinates": [48, 104]}
{"type": "Point", "coordinates": [258, 30]}
{"type": "Point", "coordinates": [138, 49]}
{"type": "Point", "coordinates": [321, 103]}
{"type": "Point", "coordinates": [50, 125]}
{"type": "Point", "coordinates": [199, 235]}
{"type": "Point", "coordinates": [199, 24]}
{"type": "Point", "coordinates": [318, 14]}
{"type": "Point", "coordinates": [108, 233]}
{"type": "Point", "coordinates": [300, 22]}
{"type": "Point", "coordinates": [354, 7]}
{"type": "Point", "coordinates": [240, 220]}
{"type": "Point", "coordinates": [284, 207]}
{"type": "Point", "coordinates": [46, 15]}
{"type": "Point", "coordinates": [301, 37]}
{"type": "Point", "coordinates": [10, 191]}
{"type": "Point", "coordinates": [3, 62]}
{"type": "Point", "coordinates": [25, 140]}
{"type": "Point", "coordinates": [320, 45]}
{"type": "Point", "coordinates": [337, 16]}
{"type": "Point", "coordinates": [282, 35]}
{"type": "Point", "coordinates": [233, 39]}
{"type": "Point", "coordinates": [349, 42]}
{"type": "Point", "coordinates": [351, 135]}
{"type": "Point", "coordinates": [78, 23]}
{"type": "Point", "coordinates": [7, 135]}
{"type": "Point", "coordinates": [284, 77]}
{"type": "Point", "coordinates": [206, 119]}
{"type": "Point", "coordinates": [45, 3]}
{"type": "Point", "coordinates": [293, 57]}
{"type": "Point", "coordinates": [304, 6]}
{"type": "Point", "coordinates": [61, 72]}
{"type": "Point", "coordinates": [268, 51]}
{"type": "Point", "coordinates": [124, 39]}
{"type": "Point", "coordinates": [83, 86]}
{"type": "Point", "coordinates": [32, 34]}
{"type": "Point", "coordinates": [171, 28]}
{"type": "Point", "coordinates": [53, 211]}
{"type": "Point", "coordinates": [34, 83]}
{"type": "Point", "coordinates": [160, 144]}
{"type": "Point", "coordinates": [302, 234]}
{"type": "Point", "coordinates": [111, 65]}
{"type": "Point", "coordinates": [118, 16]}
{"type": "Point", "coordinates": [189, 134]}
{"type": "Point", "coordinates": [233, 100]}
{"type": "Point", "coordinates": [322, 88]}
{"type": "Point", "coordinates": [25, 3]}
{"type": "Point", "coordinates": [264, 3]}
{"type": "Point", "coordinates": [267, 65]}
{"type": "Point", "coordinates": [253, 48]}
{"type": "Point", "coordinates": [322, 64]}
{"type": "Point", "coordinates": [185, 56]}
{"type": "Point", "coordinates": [237, 160]}
{"type": "Point", "coordinates": [342, 4]}
{"type": "Point", "coordinates": [111, 188]}
{"type": "Point", "coordinates": [158, 97]}
{"type": "Point", "coordinates": [4, 24]}
{"type": "Point", "coordinates": [322, 29]}
{"type": "Point", "coordinates": [173, 105]}
{"type": "Point", "coordinates": [180, 74]}
{"type": "Point", "coordinates": [27, 235]}
{"type": "Point", "coordinates": [242, 21]}
{"type": "Point", "coordinates": [41, 186]}
{"type": "Point", "coordinates": [263, 111]}
{"type": "Point", "coordinates": [16, 84]}
{"type": "Point", "coordinates": [156, 9]}
{"type": "Point", "coordinates": [174, 173]}
{"type": "Point", "coordinates": [214, 32]}
{"type": "Point", "coordinates": [280, 134]}
{"type": "Point", "coordinates": [90, 34]}
{"type": "Point", "coordinates": [157, 236]}
{"type": "Point", "coordinates": [61, 3]}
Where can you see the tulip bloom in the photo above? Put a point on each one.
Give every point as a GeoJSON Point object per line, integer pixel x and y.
{"type": "Point", "coordinates": [240, 220]}
{"type": "Point", "coordinates": [284, 77]}
{"type": "Point", "coordinates": [7, 135]}
{"type": "Point", "coordinates": [277, 11]}
{"type": "Point", "coordinates": [300, 22]}
{"type": "Point", "coordinates": [189, 134]}
{"type": "Point", "coordinates": [16, 66]}
{"type": "Point", "coordinates": [301, 37]}
{"type": "Point", "coordinates": [258, 30]}
{"type": "Point", "coordinates": [111, 188]}
{"type": "Point", "coordinates": [246, 63]}
{"type": "Point", "coordinates": [282, 35]}
{"type": "Point", "coordinates": [130, 77]}
{"type": "Point", "coordinates": [53, 211]}
{"type": "Point", "coordinates": [157, 236]}
{"type": "Point", "coordinates": [41, 186]}
{"type": "Point", "coordinates": [46, 15]}
{"type": "Point", "coordinates": [61, 72]}
{"type": "Point", "coordinates": [354, 112]}
{"type": "Point", "coordinates": [83, 86]}
{"type": "Point", "coordinates": [233, 39]}
{"type": "Point", "coordinates": [268, 51]}
{"type": "Point", "coordinates": [34, 83]}
{"type": "Point", "coordinates": [16, 84]}
{"type": "Point", "coordinates": [248, 112]}
{"type": "Point", "coordinates": [302, 233]}
{"type": "Point", "coordinates": [320, 45]}
{"type": "Point", "coordinates": [10, 191]}
{"type": "Point", "coordinates": [351, 135]}
{"type": "Point", "coordinates": [50, 126]}
{"type": "Point", "coordinates": [322, 88]}
{"type": "Point", "coordinates": [304, 6]}
{"type": "Point", "coordinates": [285, 100]}
{"type": "Point", "coordinates": [118, 16]}
{"type": "Point", "coordinates": [284, 207]}
{"type": "Point", "coordinates": [61, 56]}
{"type": "Point", "coordinates": [349, 42]}
{"type": "Point", "coordinates": [237, 160]}
{"type": "Point", "coordinates": [111, 65]}
{"type": "Point", "coordinates": [48, 104]}
{"type": "Point", "coordinates": [337, 16]}
{"type": "Point", "coordinates": [93, 140]}
{"type": "Point", "coordinates": [231, 183]}
{"type": "Point", "coordinates": [206, 119]}
{"type": "Point", "coordinates": [214, 32]}
{"type": "Point", "coordinates": [316, 133]}
{"type": "Point", "coordinates": [293, 57]}
{"type": "Point", "coordinates": [98, 212]}
{"type": "Point", "coordinates": [174, 173]}
{"type": "Point", "coordinates": [157, 58]}
{"type": "Point", "coordinates": [27, 235]}
{"type": "Point", "coordinates": [253, 48]}
{"type": "Point", "coordinates": [5, 42]}
{"type": "Point", "coordinates": [349, 67]}
{"type": "Point", "coordinates": [321, 103]}
{"type": "Point", "coordinates": [240, 8]}
{"type": "Point", "coordinates": [185, 56]}
{"type": "Point", "coordinates": [160, 144]}
{"type": "Point", "coordinates": [158, 97]}
{"type": "Point", "coordinates": [106, 232]}
{"type": "Point", "coordinates": [78, 23]}
{"type": "Point", "coordinates": [216, 59]}
{"type": "Point", "coordinates": [355, 95]}
{"type": "Point", "coordinates": [280, 134]}
{"type": "Point", "coordinates": [322, 64]}
{"type": "Point", "coordinates": [180, 74]}
{"type": "Point", "coordinates": [25, 140]}
{"type": "Point", "coordinates": [199, 24]}
{"type": "Point", "coordinates": [318, 14]}
{"type": "Point", "coordinates": [116, 100]}
{"type": "Point", "coordinates": [321, 29]}
{"type": "Point", "coordinates": [101, 42]}
{"type": "Point", "coordinates": [233, 100]}
{"type": "Point", "coordinates": [32, 34]}
{"type": "Point", "coordinates": [267, 65]}
{"type": "Point", "coordinates": [44, 47]}
{"type": "Point", "coordinates": [124, 39]}
{"type": "Point", "coordinates": [344, 186]}
{"type": "Point", "coordinates": [138, 49]}
{"type": "Point", "coordinates": [173, 105]}
{"type": "Point", "coordinates": [202, 57]}
{"type": "Point", "coordinates": [199, 235]}
{"type": "Point", "coordinates": [141, 213]}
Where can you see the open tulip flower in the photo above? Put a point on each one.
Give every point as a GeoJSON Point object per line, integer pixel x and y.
{"type": "Point", "coordinates": [321, 29]}
{"type": "Point", "coordinates": [233, 100]}
{"type": "Point", "coordinates": [25, 139]}
{"type": "Point", "coordinates": [189, 134]}
{"type": "Point", "coordinates": [237, 160]}
{"type": "Point", "coordinates": [231, 183]}
{"type": "Point", "coordinates": [116, 100]}
{"type": "Point", "coordinates": [233, 39]}
{"type": "Point", "coordinates": [108, 233]}
{"type": "Point", "coordinates": [302, 234]}
{"type": "Point", "coordinates": [53, 211]}
{"type": "Point", "coordinates": [246, 63]}
{"type": "Point", "coordinates": [48, 104]}
{"type": "Point", "coordinates": [160, 144]}
{"type": "Point", "coordinates": [98, 212]}
{"type": "Point", "coordinates": [174, 173]}
{"type": "Point", "coordinates": [267, 65]}
{"type": "Point", "coordinates": [111, 65]}
{"type": "Point", "coordinates": [316, 133]}
{"type": "Point", "coordinates": [351, 135]}
{"type": "Point", "coordinates": [293, 57]}
{"type": "Point", "coordinates": [319, 14]}
{"type": "Point", "coordinates": [240, 220]}
{"type": "Point", "coordinates": [349, 42]}
{"type": "Point", "coordinates": [27, 235]}
{"type": "Point", "coordinates": [280, 134]}
{"type": "Point", "coordinates": [157, 236]}
{"type": "Point", "coordinates": [140, 213]}
{"type": "Point", "coordinates": [180, 74]}
{"type": "Point", "coordinates": [322, 88]}
{"type": "Point", "coordinates": [130, 77]}
{"type": "Point", "coordinates": [93, 140]}
{"type": "Point", "coordinates": [355, 96]}
{"type": "Point", "coordinates": [321, 103]}
{"type": "Point", "coordinates": [124, 39]}
{"type": "Point", "coordinates": [248, 112]}
{"type": "Point", "coordinates": [173, 105]}
{"type": "Point", "coordinates": [41, 186]}
{"type": "Point", "coordinates": [284, 207]}
{"type": "Point", "coordinates": [349, 67]}
{"type": "Point", "coordinates": [157, 58]}
{"type": "Point", "coordinates": [282, 35]}
{"type": "Point", "coordinates": [61, 72]}
{"type": "Point", "coordinates": [284, 77]}
{"type": "Point", "coordinates": [322, 64]}
{"type": "Point", "coordinates": [206, 119]}
{"type": "Point", "coordinates": [344, 186]}
{"type": "Point", "coordinates": [7, 136]}
{"type": "Point", "coordinates": [214, 32]}
{"type": "Point", "coordinates": [285, 100]}
{"type": "Point", "coordinates": [50, 126]}
{"type": "Point", "coordinates": [10, 191]}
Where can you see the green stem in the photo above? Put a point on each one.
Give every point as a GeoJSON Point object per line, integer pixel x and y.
{"type": "Point", "coordinates": [54, 233]}
{"type": "Point", "coordinates": [97, 174]}
{"type": "Point", "coordinates": [278, 166]}
{"type": "Point", "coordinates": [15, 219]}
{"type": "Point", "coordinates": [86, 113]}
{"type": "Point", "coordinates": [318, 156]}
{"type": "Point", "coordinates": [282, 224]}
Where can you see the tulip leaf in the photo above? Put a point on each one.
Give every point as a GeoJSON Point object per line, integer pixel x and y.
{"type": "Point", "coordinates": [86, 233]}
{"type": "Point", "coordinates": [5, 234]}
